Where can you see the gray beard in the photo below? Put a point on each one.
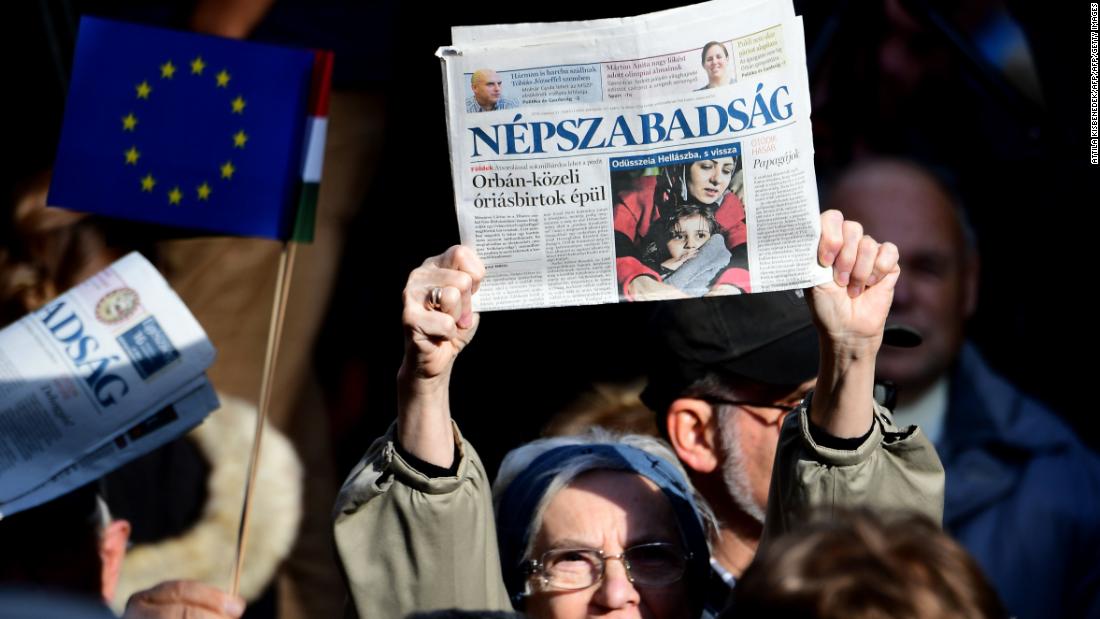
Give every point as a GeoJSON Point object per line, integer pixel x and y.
{"type": "Point", "coordinates": [734, 474]}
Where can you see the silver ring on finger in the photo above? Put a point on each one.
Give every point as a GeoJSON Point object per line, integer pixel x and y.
{"type": "Point", "coordinates": [435, 298]}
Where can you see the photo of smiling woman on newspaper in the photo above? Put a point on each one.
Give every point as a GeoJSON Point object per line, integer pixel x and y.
{"type": "Point", "coordinates": [680, 230]}
{"type": "Point", "coordinates": [716, 60]}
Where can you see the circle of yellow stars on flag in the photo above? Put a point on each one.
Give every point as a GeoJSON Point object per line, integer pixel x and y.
{"type": "Point", "coordinates": [175, 194]}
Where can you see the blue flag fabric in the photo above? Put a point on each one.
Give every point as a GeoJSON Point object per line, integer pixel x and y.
{"type": "Point", "coordinates": [183, 129]}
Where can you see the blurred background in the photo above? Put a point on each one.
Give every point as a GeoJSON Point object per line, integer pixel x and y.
{"type": "Point", "coordinates": [989, 94]}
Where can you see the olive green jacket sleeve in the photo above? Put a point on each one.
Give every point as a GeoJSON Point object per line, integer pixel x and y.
{"type": "Point", "coordinates": [893, 469]}
{"type": "Point", "coordinates": [411, 543]}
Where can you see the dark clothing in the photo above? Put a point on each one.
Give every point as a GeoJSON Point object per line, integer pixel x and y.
{"type": "Point", "coordinates": [1023, 495]}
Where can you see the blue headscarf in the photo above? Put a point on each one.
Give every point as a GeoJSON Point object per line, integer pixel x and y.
{"type": "Point", "coordinates": [519, 502]}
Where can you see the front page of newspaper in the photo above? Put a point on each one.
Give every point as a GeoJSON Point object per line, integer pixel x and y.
{"type": "Point", "coordinates": [109, 363]}
{"type": "Point", "coordinates": [129, 443]}
{"type": "Point", "coordinates": [642, 163]}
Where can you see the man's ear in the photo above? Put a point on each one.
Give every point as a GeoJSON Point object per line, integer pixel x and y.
{"type": "Point", "coordinates": [112, 550]}
{"type": "Point", "coordinates": [691, 425]}
{"type": "Point", "coordinates": [972, 266]}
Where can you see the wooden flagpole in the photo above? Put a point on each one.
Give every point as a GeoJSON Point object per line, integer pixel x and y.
{"type": "Point", "coordinates": [274, 335]}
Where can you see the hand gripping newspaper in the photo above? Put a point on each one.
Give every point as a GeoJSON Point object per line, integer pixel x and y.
{"type": "Point", "coordinates": [668, 155]}
{"type": "Point", "coordinates": [105, 373]}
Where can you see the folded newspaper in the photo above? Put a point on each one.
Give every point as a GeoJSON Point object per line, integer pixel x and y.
{"type": "Point", "coordinates": [107, 372]}
{"type": "Point", "coordinates": [593, 161]}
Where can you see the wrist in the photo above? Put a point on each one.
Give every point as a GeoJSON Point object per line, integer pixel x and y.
{"type": "Point", "coordinates": [847, 352]}
{"type": "Point", "coordinates": [413, 382]}
{"type": "Point", "coordinates": [424, 416]}
{"type": "Point", "coordinates": [842, 402]}
{"type": "Point", "coordinates": [419, 394]}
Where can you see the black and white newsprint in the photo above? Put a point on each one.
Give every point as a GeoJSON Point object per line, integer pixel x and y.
{"type": "Point", "coordinates": [661, 156]}
{"type": "Point", "coordinates": [107, 372]}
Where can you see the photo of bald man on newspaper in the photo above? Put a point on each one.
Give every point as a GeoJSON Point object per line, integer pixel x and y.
{"type": "Point", "coordinates": [488, 88]}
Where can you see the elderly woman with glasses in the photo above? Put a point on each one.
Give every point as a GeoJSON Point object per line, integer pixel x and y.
{"type": "Point", "coordinates": [585, 526]}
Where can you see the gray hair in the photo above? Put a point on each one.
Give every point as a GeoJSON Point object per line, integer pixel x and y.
{"type": "Point", "coordinates": [102, 516]}
{"type": "Point", "coordinates": [734, 475]}
{"type": "Point", "coordinates": [517, 460]}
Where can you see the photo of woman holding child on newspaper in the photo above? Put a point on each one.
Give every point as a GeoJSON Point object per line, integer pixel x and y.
{"type": "Point", "coordinates": [680, 230]}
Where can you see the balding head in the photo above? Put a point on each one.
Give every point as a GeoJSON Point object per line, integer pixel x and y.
{"type": "Point", "coordinates": [901, 202]}
{"type": "Point", "coordinates": [486, 84]}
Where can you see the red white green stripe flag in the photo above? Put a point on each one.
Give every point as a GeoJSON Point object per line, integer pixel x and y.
{"type": "Point", "coordinates": [314, 147]}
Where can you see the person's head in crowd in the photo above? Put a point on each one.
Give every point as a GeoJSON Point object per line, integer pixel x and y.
{"type": "Point", "coordinates": [72, 546]}
{"type": "Point", "coordinates": [723, 375]}
{"type": "Point", "coordinates": [487, 85]}
{"type": "Point", "coordinates": [598, 523]}
{"type": "Point", "coordinates": [44, 251]}
{"type": "Point", "coordinates": [715, 61]}
{"type": "Point", "coordinates": [70, 543]}
{"type": "Point", "coordinates": [937, 292]}
{"type": "Point", "coordinates": [614, 406]}
{"type": "Point", "coordinates": [860, 565]}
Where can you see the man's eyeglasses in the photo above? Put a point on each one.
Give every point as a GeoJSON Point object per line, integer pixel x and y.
{"type": "Point", "coordinates": [770, 413]}
{"type": "Point", "coordinates": [648, 565]}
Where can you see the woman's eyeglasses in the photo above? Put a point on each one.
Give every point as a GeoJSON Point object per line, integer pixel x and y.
{"type": "Point", "coordinates": [649, 565]}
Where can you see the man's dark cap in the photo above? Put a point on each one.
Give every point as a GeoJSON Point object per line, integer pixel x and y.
{"type": "Point", "coordinates": [763, 337]}
{"type": "Point", "coordinates": [766, 337]}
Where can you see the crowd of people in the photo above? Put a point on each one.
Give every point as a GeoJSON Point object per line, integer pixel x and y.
{"type": "Point", "coordinates": [602, 522]}
{"type": "Point", "coordinates": [777, 483]}
{"type": "Point", "coordinates": [789, 454]}
{"type": "Point", "coordinates": [419, 526]}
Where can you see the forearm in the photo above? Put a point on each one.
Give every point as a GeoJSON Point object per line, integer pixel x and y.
{"type": "Point", "coordinates": [843, 398]}
{"type": "Point", "coordinates": [424, 416]}
{"type": "Point", "coordinates": [439, 322]}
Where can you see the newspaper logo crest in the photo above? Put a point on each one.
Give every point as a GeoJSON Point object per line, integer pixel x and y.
{"type": "Point", "coordinates": [117, 305]}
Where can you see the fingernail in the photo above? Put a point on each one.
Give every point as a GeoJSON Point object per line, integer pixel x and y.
{"type": "Point", "coordinates": [829, 259]}
{"type": "Point", "coordinates": [843, 277]}
{"type": "Point", "coordinates": [872, 280]}
{"type": "Point", "coordinates": [465, 320]}
{"type": "Point", "coordinates": [234, 607]}
{"type": "Point", "coordinates": [854, 291]}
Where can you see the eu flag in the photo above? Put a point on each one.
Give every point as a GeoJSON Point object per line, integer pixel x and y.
{"type": "Point", "coordinates": [184, 130]}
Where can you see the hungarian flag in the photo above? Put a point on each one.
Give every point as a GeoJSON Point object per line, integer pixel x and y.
{"type": "Point", "coordinates": [193, 131]}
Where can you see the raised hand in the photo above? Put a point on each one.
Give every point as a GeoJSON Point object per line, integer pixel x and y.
{"type": "Point", "coordinates": [851, 309]}
{"type": "Point", "coordinates": [439, 322]}
{"type": "Point", "coordinates": [850, 312]}
{"type": "Point", "coordinates": [436, 333]}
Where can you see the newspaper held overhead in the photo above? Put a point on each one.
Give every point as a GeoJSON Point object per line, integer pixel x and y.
{"type": "Point", "coordinates": [105, 373]}
{"type": "Point", "coordinates": [662, 156]}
